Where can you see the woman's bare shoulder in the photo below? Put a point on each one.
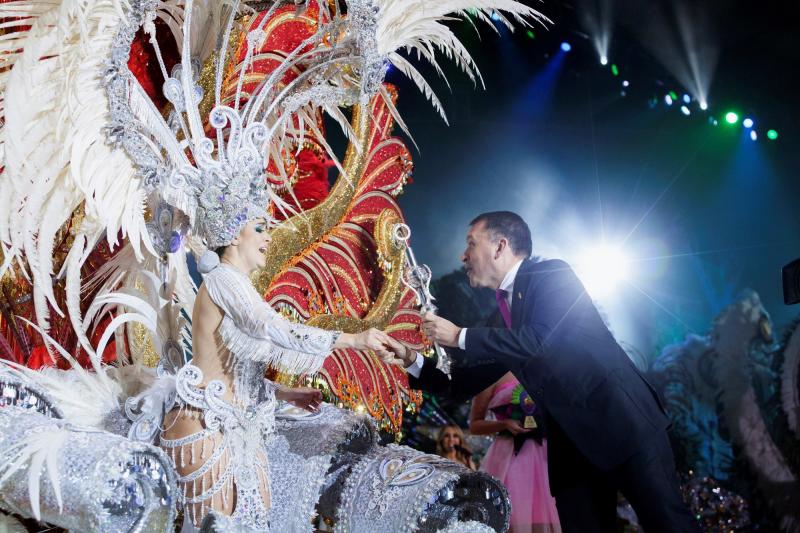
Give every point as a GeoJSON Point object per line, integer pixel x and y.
{"type": "Point", "coordinates": [205, 311]}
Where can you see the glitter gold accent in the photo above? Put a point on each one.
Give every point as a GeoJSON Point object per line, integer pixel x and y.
{"type": "Point", "coordinates": [74, 225]}
{"type": "Point", "coordinates": [301, 231]}
{"type": "Point", "coordinates": [142, 348]}
{"type": "Point", "coordinates": [209, 71]}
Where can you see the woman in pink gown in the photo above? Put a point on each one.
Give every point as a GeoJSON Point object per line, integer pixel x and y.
{"type": "Point", "coordinates": [518, 455]}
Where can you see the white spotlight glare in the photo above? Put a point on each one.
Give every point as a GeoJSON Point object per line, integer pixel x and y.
{"type": "Point", "coordinates": [685, 110]}
{"type": "Point", "coordinates": [687, 99]}
{"type": "Point", "coordinates": [603, 60]}
{"type": "Point", "coordinates": [747, 123]}
{"type": "Point", "coordinates": [626, 83]}
{"type": "Point", "coordinates": [703, 105]}
{"type": "Point", "coordinates": [668, 99]}
{"type": "Point", "coordinates": [754, 135]}
{"type": "Point", "coordinates": [602, 268]}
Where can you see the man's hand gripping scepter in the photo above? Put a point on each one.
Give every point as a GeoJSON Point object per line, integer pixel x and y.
{"type": "Point", "coordinates": [418, 278]}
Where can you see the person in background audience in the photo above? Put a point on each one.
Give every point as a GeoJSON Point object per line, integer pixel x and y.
{"type": "Point", "coordinates": [518, 455]}
{"type": "Point", "coordinates": [450, 445]}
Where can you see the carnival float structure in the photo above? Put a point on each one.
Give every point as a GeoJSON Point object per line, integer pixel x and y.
{"type": "Point", "coordinates": [111, 111]}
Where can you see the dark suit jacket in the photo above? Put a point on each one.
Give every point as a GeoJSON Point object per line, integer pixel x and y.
{"type": "Point", "coordinates": [597, 407]}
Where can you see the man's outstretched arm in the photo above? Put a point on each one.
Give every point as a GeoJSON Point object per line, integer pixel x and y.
{"type": "Point", "coordinates": [464, 383]}
{"type": "Point", "coordinates": [559, 298]}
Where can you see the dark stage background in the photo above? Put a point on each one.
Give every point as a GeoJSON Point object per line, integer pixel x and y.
{"type": "Point", "coordinates": [701, 211]}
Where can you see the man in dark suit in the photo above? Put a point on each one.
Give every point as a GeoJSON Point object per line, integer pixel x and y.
{"type": "Point", "coordinates": [605, 425]}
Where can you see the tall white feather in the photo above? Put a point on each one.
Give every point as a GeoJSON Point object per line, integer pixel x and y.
{"type": "Point", "coordinates": [55, 151]}
{"type": "Point", "coordinates": [418, 26]}
{"type": "Point", "coordinates": [40, 449]}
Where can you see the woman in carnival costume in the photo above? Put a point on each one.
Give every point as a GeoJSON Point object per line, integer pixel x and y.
{"type": "Point", "coordinates": [80, 131]}
{"type": "Point", "coordinates": [225, 409]}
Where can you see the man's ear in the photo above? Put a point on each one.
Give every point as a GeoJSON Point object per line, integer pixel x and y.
{"type": "Point", "coordinates": [502, 244]}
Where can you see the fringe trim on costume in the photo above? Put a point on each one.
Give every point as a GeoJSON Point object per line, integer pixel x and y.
{"type": "Point", "coordinates": [243, 346]}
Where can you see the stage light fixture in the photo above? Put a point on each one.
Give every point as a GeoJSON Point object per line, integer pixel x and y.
{"type": "Point", "coordinates": [685, 110]}
{"type": "Point", "coordinates": [614, 69]}
{"type": "Point", "coordinates": [566, 47]}
{"type": "Point", "coordinates": [753, 135]}
{"type": "Point", "coordinates": [731, 117]}
{"type": "Point", "coordinates": [772, 135]}
{"type": "Point", "coordinates": [531, 35]}
{"type": "Point", "coordinates": [626, 83]}
{"type": "Point", "coordinates": [687, 99]}
{"type": "Point", "coordinates": [703, 105]}
{"type": "Point", "coordinates": [668, 99]}
{"type": "Point", "coordinates": [747, 123]}
{"type": "Point", "coordinates": [673, 95]}
{"type": "Point", "coordinates": [603, 60]}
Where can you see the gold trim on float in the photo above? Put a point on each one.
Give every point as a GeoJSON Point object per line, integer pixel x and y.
{"type": "Point", "coordinates": [392, 260]}
{"type": "Point", "coordinates": [302, 231]}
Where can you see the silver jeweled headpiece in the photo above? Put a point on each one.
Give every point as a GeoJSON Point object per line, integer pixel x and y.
{"type": "Point", "coordinates": [233, 191]}
{"type": "Point", "coordinates": [216, 176]}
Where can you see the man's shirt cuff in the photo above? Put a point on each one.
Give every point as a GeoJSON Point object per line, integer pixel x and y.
{"type": "Point", "coordinates": [415, 368]}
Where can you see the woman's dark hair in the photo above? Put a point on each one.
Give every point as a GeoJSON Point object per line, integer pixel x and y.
{"type": "Point", "coordinates": [220, 251]}
{"type": "Point", "coordinates": [509, 225]}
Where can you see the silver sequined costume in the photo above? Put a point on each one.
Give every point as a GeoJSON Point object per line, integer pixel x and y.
{"type": "Point", "coordinates": [231, 449]}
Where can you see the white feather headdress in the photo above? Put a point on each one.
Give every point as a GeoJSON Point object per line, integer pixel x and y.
{"type": "Point", "coordinates": [80, 129]}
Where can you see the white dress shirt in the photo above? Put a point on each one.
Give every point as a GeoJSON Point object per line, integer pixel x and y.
{"type": "Point", "coordinates": [415, 368]}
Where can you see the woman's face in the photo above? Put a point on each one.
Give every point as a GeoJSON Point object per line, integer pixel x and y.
{"type": "Point", "coordinates": [253, 242]}
{"type": "Point", "coordinates": [450, 439]}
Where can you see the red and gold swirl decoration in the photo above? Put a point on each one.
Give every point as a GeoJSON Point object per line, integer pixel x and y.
{"type": "Point", "coordinates": [21, 343]}
{"type": "Point", "coordinates": [335, 265]}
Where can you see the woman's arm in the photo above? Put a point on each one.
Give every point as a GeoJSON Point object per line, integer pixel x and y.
{"type": "Point", "coordinates": [306, 398]}
{"type": "Point", "coordinates": [237, 298]}
{"type": "Point", "coordinates": [478, 425]}
{"type": "Point", "coordinates": [371, 339]}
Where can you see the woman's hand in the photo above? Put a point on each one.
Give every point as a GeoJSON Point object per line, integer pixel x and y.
{"type": "Point", "coordinates": [302, 397]}
{"type": "Point", "coordinates": [371, 339]}
{"type": "Point", "coordinates": [513, 427]}
{"type": "Point", "coordinates": [399, 354]}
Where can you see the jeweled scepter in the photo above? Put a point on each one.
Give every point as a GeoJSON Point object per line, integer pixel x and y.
{"type": "Point", "coordinates": [418, 278]}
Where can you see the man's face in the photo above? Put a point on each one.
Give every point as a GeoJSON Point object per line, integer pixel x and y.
{"type": "Point", "coordinates": [479, 256]}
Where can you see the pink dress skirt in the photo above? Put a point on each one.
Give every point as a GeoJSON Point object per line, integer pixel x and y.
{"type": "Point", "coordinates": [533, 509]}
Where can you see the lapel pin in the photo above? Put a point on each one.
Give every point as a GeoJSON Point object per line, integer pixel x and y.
{"type": "Point", "coordinates": [519, 295]}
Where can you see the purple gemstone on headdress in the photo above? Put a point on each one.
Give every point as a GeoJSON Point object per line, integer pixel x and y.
{"type": "Point", "coordinates": [175, 240]}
